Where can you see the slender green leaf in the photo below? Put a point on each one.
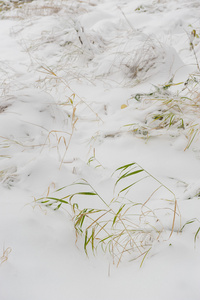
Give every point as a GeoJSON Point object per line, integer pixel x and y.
{"type": "Point", "coordinates": [188, 222]}
{"type": "Point", "coordinates": [92, 238]}
{"type": "Point", "coordinates": [62, 188]}
{"type": "Point", "coordinates": [196, 234]}
{"type": "Point", "coordinates": [85, 243]}
{"type": "Point", "coordinates": [129, 174]}
{"type": "Point", "coordinates": [125, 167]}
{"type": "Point", "coordinates": [129, 186]}
{"type": "Point", "coordinates": [57, 199]}
{"type": "Point", "coordinates": [82, 220]}
{"type": "Point", "coordinates": [46, 201]}
{"type": "Point", "coordinates": [117, 214]}
{"type": "Point", "coordinates": [86, 193]}
{"type": "Point", "coordinates": [144, 257]}
{"type": "Point", "coordinates": [59, 205]}
{"type": "Point", "coordinates": [106, 238]}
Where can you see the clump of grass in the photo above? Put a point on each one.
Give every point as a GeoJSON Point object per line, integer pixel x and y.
{"type": "Point", "coordinates": [122, 226]}
{"type": "Point", "coordinates": [4, 6]}
{"type": "Point", "coordinates": [71, 105]}
{"type": "Point", "coordinates": [42, 9]}
{"type": "Point", "coordinates": [176, 112]}
{"type": "Point", "coordinates": [9, 4]}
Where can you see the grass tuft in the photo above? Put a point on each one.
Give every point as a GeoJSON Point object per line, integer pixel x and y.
{"type": "Point", "coordinates": [120, 227]}
{"type": "Point", "coordinates": [173, 114]}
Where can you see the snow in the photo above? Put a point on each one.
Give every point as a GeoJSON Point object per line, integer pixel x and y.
{"type": "Point", "coordinates": [88, 87]}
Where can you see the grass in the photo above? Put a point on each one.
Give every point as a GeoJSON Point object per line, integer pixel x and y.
{"type": "Point", "coordinates": [74, 100]}
{"type": "Point", "coordinates": [46, 9]}
{"type": "Point", "coordinates": [122, 226]}
{"type": "Point", "coordinates": [8, 5]}
{"type": "Point", "coordinates": [189, 222]}
{"type": "Point", "coordinates": [174, 113]}
{"type": "Point", "coordinates": [72, 103]}
{"type": "Point", "coordinates": [6, 253]}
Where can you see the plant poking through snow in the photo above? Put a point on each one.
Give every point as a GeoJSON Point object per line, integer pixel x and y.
{"type": "Point", "coordinates": [178, 113]}
{"type": "Point", "coordinates": [122, 226]}
{"type": "Point", "coordinates": [53, 77]}
{"type": "Point", "coordinates": [192, 221]}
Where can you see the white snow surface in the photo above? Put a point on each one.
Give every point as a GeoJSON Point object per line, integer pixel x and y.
{"type": "Point", "coordinates": [85, 88]}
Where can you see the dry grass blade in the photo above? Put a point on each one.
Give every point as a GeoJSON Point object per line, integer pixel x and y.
{"type": "Point", "coordinates": [5, 255]}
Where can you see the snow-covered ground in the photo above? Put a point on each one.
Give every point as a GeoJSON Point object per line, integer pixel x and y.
{"type": "Point", "coordinates": [87, 87]}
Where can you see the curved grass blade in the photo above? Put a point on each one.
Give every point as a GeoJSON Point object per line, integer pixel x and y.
{"type": "Point", "coordinates": [127, 174]}
{"type": "Point", "coordinates": [57, 199]}
{"type": "Point", "coordinates": [125, 167]}
{"type": "Point", "coordinates": [187, 223]}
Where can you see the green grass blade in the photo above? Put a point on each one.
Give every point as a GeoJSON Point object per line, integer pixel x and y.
{"type": "Point", "coordinates": [57, 199]}
{"type": "Point", "coordinates": [86, 193]}
{"type": "Point", "coordinates": [117, 214]}
{"type": "Point", "coordinates": [128, 174]}
{"type": "Point", "coordinates": [144, 257]}
{"type": "Point", "coordinates": [125, 167]}
{"type": "Point", "coordinates": [187, 223]}
{"type": "Point", "coordinates": [59, 205]}
{"type": "Point", "coordinates": [196, 234]}
{"type": "Point", "coordinates": [85, 243]}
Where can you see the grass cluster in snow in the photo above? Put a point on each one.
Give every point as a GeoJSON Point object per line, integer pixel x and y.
{"type": "Point", "coordinates": [116, 55]}
{"type": "Point", "coordinates": [121, 226]}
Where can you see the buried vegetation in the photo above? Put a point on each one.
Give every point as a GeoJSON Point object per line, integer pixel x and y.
{"type": "Point", "coordinates": [169, 113]}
